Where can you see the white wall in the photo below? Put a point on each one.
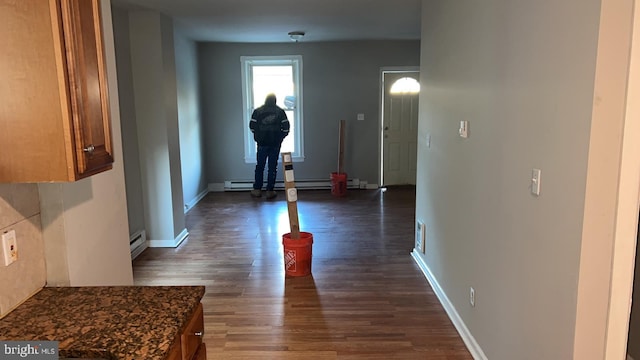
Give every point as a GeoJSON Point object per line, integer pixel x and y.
{"type": "Point", "coordinates": [523, 75]}
{"type": "Point", "coordinates": [85, 223]}
{"type": "Point", "coordinates": [20, 212]}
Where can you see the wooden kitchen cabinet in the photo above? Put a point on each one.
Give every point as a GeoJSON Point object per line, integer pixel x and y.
{"type": "Point", "coordinates": [54, 108]}
{"type": "Point", "coordinates": [188, 344]}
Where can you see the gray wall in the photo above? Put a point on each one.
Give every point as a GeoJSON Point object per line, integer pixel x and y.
{"type": "Point", "coordinates": [522, 74]}
{"type": "Point", "coordinates": [183, 139]}
{"type": "Point", "coordinates": [153, 73]}
{"type": "Point", "coordinates": [128, 121]}
{"type": "Point", "coordinates": [194, 183]}
{"type": "Point", "coordinates": [341, 79]}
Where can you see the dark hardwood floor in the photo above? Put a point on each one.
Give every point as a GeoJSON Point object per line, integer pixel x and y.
{"type": "Point", "coordinates": [365, 299]}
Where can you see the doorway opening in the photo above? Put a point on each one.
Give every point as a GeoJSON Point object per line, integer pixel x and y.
{"type": "Point", "coordinates": [633, 339]}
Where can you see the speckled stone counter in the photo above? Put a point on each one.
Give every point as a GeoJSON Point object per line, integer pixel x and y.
{"type": "Point", "coordinates": [122, 322]}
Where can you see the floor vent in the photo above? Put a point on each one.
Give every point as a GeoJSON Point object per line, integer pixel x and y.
{"type": "Point", "coordinates": [137, 243]}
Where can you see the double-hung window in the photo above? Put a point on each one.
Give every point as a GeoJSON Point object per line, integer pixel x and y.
{"type": "Point", "coordinates": [281, 75]}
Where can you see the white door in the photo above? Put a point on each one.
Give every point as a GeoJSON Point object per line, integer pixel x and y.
{"type": "Point", "coordinates": [399, 128]}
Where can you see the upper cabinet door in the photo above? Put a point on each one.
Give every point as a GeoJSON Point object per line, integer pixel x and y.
{"type": "Point", "coordinates": [54, 106]}
{"type": "Point", "coordinates": [88, 83]}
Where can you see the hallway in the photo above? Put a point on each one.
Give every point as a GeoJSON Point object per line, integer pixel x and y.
{"type": "Point", "coordinates": [366, 298]}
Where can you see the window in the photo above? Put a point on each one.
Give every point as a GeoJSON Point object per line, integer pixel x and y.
{"type": "Point", "coordinates": [405, 85]}
{"type": "Point", "coordinates": [281, 75]}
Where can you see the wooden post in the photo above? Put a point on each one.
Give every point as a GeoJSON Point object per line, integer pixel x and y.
{"type": "Point", "coordinates": [292, 195]}
{"type": "Point", "coordinates": [341, 148]}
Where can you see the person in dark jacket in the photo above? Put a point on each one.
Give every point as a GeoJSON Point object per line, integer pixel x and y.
{"type": "Point", "coordinates": [269, 125]}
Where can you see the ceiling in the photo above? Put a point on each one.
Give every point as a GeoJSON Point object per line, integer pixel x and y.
{"type": "Point", "coordinates": [270, 21]}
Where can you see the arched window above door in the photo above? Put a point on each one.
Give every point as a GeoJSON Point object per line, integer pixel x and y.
{"type": "Point", "coordinates": [405, 85]}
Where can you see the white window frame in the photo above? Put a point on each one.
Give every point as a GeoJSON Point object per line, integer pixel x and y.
{"type": "Point", "coordinates": [248, 107]}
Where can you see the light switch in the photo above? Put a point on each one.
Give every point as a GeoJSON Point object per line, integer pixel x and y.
{"type": "Point", "coordinates": [360, 117]}
{"type": "Point", "coordinates": [535, 182]}
{"type": "Point", "coordinates": [428, 140]}
{"type": "Point", "coordinates": [464, 129]}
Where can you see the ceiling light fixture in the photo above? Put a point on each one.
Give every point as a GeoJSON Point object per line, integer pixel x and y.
{"type": "Point", "coordinates": [296, 35]}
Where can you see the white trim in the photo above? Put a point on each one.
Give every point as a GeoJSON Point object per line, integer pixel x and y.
{"type": "Point", "coordinates": [241, 185]}
{"type": "Point", "coordinates": [384, 70]}
{"type": "Point", "coordinates": [296, 62]}
{"type": "Point", "coordinates": [170, 243]}
{"type": "Point", "coordinates": [627, 204]}
{"type": "Point", "coordinates": [216, 187]}
{"type": "Point", "coordinates": [392, 69]}
{"type": "Point", "coordinates": [188, 206]}
{"type": "Point", "coordinates": [473, 346]}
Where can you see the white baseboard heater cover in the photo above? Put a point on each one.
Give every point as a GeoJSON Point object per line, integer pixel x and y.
{"type": "Point", "coordinates": [241, 185]}
{"type": "Point", "coordinates": [137, 243]}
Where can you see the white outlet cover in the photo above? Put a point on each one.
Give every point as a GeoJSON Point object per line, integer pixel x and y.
{"type": "Point", "coordinates": [420, 237]}
{"type": "Point", "coordinates": [10, 247]}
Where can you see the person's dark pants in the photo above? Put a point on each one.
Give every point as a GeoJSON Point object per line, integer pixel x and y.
{"type": "Point", "coordinates": [271, 154]}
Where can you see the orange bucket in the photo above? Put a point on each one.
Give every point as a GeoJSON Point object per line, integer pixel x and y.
{"type": "Point", "coordinates": [338, 184]}
{"type": "Point", "coordinates": [297, 254]}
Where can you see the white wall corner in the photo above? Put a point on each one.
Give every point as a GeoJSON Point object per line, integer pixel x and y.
{"type": "Point", "coordinates": [189, 205]}
{"type": "Point", "coordinates": [471, 343]}
{"type": "Point", "coordinates": [170, 243]}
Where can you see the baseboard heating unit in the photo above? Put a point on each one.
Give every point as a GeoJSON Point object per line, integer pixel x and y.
{"type": "Point", "coordinates": [137, 243]}
{"type": "Point", "coordinates": [243, 185]}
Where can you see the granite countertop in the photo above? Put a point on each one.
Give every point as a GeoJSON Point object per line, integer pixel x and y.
{"type": "Point", "coordinates": [113, 322]}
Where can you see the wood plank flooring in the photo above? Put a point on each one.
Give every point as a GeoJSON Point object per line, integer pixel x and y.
{"type": "Point", "coordinates": [365, 299]}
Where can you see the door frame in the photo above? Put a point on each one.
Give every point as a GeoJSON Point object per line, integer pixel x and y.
{"type": "Point", "coordinates": [610, 222]}
{"type": "Point", "coordinates": [627, 209]}
{"type": "Point", "coordinates": [384, 70]}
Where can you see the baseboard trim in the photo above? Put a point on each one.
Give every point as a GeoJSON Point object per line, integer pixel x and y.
{"type": "Point", "coordinates": [170, 243]}
{"type": "Point", "coordinates": [188, 206]}
{"type": "Point", "coordinates": [216, 187]}
{"type": "Point", "coordinates": [471, 343]}
{"type": "Point", "coordinates": [246, 185]}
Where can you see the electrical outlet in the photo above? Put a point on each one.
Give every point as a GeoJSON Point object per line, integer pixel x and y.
{"type": "Point", "coordinates": [472, 297]}
{"type": "Point", "coordinates": [9, 247]}
{"type": "Point", "coordinates": [421, 231]}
